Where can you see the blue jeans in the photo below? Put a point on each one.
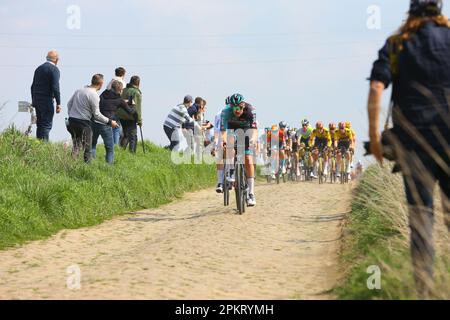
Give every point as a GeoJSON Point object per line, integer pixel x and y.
{"type": "Point", "coordinates": [116, 135]}
{"type": "Point", "coordinates": [106, 133]}
{"type": "Point", "coordinates": [44, 114]}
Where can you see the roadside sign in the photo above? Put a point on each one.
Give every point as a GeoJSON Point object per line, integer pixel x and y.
{"type": "Point", "coordinates": [24, 106]}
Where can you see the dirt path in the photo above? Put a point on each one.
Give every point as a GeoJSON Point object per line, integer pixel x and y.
{"type": "Point", "coordinates": [285, 248]}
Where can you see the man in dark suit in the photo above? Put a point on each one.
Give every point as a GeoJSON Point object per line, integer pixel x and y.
{"type": "Point", "coordinates": [44, 89]}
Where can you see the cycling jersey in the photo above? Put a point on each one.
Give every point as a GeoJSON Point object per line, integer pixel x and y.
{"type": "Point", "coordinates": [246, 121]}
{"type": "Point", "coordinates": [305, 134]}
{"type": "Point", "coordinates": [292, 137]}
{"type": "Point", "coordinates": [320, 139]}
{"type": "Point", "coordinates": [281, 139]}
{"type": "Point", "coordinates": [333, 136]}
{"type": "Point", "coordinates": [346, 135]}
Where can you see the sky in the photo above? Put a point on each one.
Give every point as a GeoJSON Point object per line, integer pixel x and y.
{"type": "Point", "coordinates": [291, 59]}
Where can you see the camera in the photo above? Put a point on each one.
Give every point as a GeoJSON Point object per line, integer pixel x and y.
{"type": "Point", "coordinates": [387, 141]}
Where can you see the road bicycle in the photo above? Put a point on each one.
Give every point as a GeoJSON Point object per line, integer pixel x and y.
{"type": "Point", "coordinates": [344, 165]}
{"type": "Point", "coordinates": [240, 183]}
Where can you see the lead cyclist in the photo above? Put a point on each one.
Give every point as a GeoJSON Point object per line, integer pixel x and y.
{"type": "Point", "coordinates": [239, 115]}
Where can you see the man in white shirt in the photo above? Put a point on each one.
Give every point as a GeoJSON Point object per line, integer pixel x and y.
{"type": "Point", "coordinates": [120, 76]}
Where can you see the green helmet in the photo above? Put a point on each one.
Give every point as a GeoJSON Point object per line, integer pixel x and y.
{"type": "Point", "coordinates": [236, 99]}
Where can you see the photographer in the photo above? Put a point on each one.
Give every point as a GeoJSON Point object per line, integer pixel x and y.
{"type": "Point", "coordinates": [416, 62]}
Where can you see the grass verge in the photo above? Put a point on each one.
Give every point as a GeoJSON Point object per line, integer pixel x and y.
{"type": "Point", "coordinates": [377, 234]}
{"type": "Point", "coordinates": [43, 189]}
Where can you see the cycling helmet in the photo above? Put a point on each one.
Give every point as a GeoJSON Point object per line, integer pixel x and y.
{"type": "Point", "coordinates": [283, 125]}
{"type": "Point", "coordinates": [319, 125]}
{"type": "Point", "coordinates": [425, 8]}
{"type": "Point", "coordinates": [305, 122]}
{"type": "Point", "coordinates": [332, 126]}
{"type": "Point", "coordinates": [236, 99]}
{"type": "Point", "coordinates": [227, 100]}
{"type": "Point", "coordinates": [348, 125]}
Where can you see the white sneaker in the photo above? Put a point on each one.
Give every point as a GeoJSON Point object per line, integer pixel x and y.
{"type": "Point", "coordinates": [338, 175]}
{"type": "Point", "coordinates": [251, 200]}
{"type": "Point", "coordinates": [219, 188]}
{"type": "Point", "coordinates": [273, 177]}
{"type": "Point", "coordinates": [231, 179]}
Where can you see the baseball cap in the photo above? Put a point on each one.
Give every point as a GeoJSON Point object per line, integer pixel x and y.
{"type": "Point", "coordinates": [188, 99]}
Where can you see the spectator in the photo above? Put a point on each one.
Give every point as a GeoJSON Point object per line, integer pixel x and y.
{"type": "Point", "coordinates": [82, 108]}
{"type": "Point", "coordinates": [188, 128]}
{"type": "Point", "coordinates": [120, 76]}
{"type": "Point", "coordinates": [200, 136]}
{"type": "Point", "coordinates": [416, 61]}
{"type": "Point", "coordinates": [44, 89]}
{"type": "Point", "coordinates": [110, 102]}
{"type": "Point", "coordinates": [177, 116]}
{"type": "Point", "coordinates": [129, 122]}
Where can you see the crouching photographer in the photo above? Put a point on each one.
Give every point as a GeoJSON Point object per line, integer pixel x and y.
{"type": "Point", "coordinates": [416, 62]}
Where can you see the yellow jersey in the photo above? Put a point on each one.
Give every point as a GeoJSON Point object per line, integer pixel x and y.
{"type": "Point", "coordinates": [347, 135]}
{"type": "Point", "coordinates": [324, 135]}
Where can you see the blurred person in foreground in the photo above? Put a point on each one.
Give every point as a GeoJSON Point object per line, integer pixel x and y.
{"type": "Point", "coordinates": [416, 61]}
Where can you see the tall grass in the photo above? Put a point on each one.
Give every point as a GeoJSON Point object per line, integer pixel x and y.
{"type": "Point", "coordinates": [377, 233]}
{"type": "Point", "coordinates": [43, 189]}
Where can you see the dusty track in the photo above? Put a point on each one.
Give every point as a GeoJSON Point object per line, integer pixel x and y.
{"type": "Point", "coordinates": [285, 248]}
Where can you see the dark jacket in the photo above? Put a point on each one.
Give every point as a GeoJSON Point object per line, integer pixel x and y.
{"type": "Point", "coordinates": [421, 84]}
{"type": "Point", "coordinates": [193, 112]}
{"type": "Point", "coordinates": [132, 93]}
{"type": "Point", "coordinates": [45, 85]}
{"type": "Point", "coordinates": [111, 102]}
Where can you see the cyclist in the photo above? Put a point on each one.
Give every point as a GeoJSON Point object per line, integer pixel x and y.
{"type": "Point", "coordinates": [283, 146]}
{"type": "Point", "coordinates": [241, 115]}
{"type": "Point", "coordinates": [320, 142]}
{"type": "Point", "coordinates": [344, 144]}
{"type": "Point", "coordinates": [276, 144]}
{"type": "Point", "coordinates": [348, 125]}
{"type": "Point", "coordinates": [293, 144]}
{"type": "Point", "coordinates": [332, 129]}
{"type": "Point", "coordinates": [305, 132]}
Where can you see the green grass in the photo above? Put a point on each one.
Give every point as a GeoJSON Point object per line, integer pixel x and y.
{"type": "Point", "coordinates": [376, 233]}
{"type": "Point", "coordinates": [43, 189]}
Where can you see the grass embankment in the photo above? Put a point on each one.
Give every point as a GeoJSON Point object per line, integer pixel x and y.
{"type": "Point", "coordinates": [44, 190]}
{"type": "Point", "coordinates": [377, 233]}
